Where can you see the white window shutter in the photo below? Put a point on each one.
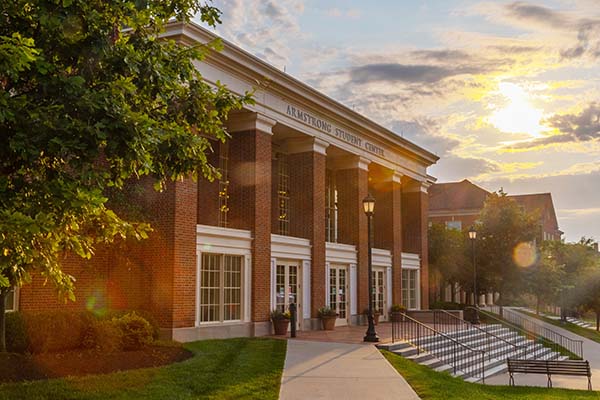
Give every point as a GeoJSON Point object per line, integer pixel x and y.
{"type": "Point", "coordinates": [273, 280]}
{"type": "Point", "coordinates": [306, 305]}
{"type": "Point", "coordinates": [388, 278]}
{"type": "Point", "coordinates": [353, 295]}
{"type": "Point", "coordinates": [327, 288]}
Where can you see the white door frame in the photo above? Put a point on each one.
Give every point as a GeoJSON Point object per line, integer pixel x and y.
{"type": "Point", "coordinates": [286, 295]}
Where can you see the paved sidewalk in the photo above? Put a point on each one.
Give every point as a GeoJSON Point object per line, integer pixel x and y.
{"type": "Point", "coordinates": [326, 370]}
{"type": "Point", "coordinates": [591, 352]}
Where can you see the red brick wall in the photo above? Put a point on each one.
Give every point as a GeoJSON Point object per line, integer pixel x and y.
{"type": "Point", "coordinates": [208, 193]}
{"type": "Point", "coordinates": [415, 224]}
{"type": "Point", "coordinates": [352, 189]}
{"type": "Point", "coordinates": [307, 215]}
{"type": "Point", "coordinates": [397, 245]}
{"type": "Point", "coordinates": [250, 165]}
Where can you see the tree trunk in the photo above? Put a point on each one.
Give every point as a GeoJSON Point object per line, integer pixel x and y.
{"type": "Point", "coordinates": [597, 320]}
{"type": "Point", "coordinates": [453, 292]}
{"type": "Point", "coordinates": [537, 305]}
{"type": "Point", "coordinates": [3, 294]}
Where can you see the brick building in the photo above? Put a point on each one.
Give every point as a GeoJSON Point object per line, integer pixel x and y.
{"type": "Point", "coordinates": [458, 204]}
{"type": "Point", "coordinates": [284, 223]}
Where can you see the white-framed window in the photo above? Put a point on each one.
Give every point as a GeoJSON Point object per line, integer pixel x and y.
{"type": "Point", "coordinates": [221, 282]}
{"type": "Point", "coordinates": [224, 184]}
{"type": "Point", "coordinates": [454, 225]}
{"type": "Point", "coordinates": [331, 207]}
{"type": "Point", "coordinates": [10, 304]}
{"type": "Point", "coordinates": [410, 288]}
{"type": "Point", "coordinates": [283, 194]}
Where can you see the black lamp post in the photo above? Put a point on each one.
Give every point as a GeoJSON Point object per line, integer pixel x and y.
{"type": "Point", "coordinates": [369, 206]}
{"type": "Point", "coordinates": [473, 238]}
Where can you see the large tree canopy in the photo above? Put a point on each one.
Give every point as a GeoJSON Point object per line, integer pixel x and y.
{"type": "Point", "coordinates": [91, 97]}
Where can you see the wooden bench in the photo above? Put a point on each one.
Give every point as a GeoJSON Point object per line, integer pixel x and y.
{"type": "Point", "coordinates": [549, 368]}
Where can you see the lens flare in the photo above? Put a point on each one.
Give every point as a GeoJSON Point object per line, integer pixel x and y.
{"type": "Point", "coordinates": [525, 255]}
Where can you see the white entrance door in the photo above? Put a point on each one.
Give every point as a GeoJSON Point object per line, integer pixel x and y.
{"type": "Point", "coordinates": [287, 288]}
{"type": "Point", "coordinates": [379, 292]}
{"type": "Point", "coordinates": [338, 293]}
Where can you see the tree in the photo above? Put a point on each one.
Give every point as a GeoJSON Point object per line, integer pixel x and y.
{"type": "Point", "coordinates": [447, 255]}
{"type": "Point", "coordinates": [90, 99]}
{"type": "Point", "coordinates": [503, 225]}
{"type": "Point", "coordinates": [545, 280]}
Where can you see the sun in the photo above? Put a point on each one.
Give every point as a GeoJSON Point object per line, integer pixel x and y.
{"type": "Point", "coordinates": [518, 115]}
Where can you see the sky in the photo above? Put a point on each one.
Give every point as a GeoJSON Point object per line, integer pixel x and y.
{"type": "Point", "coordinates": [506, 93]}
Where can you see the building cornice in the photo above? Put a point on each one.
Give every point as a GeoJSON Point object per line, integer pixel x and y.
{"type": "Point", "coordinates": [251, 69]}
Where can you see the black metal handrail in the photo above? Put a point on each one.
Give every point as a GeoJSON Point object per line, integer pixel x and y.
{"type": "Point", "coordinates": [462, 358]}
{"type": "Point", "coordinates": [444, 320]}
{"type": "Point", "coordinates": [547, 337]}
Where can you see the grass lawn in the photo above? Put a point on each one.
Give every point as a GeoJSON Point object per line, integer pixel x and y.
{"type": "Point", "coordinates": [220, 369]}
{"type": "Point", "coordinates": [579, 330]}
{"type": "Point", "coordinates": [434, 385]}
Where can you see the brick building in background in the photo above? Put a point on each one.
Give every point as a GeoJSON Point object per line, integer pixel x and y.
{"type": "Point", "coordinates": [457, 205]}
{"type": "Point", "coordinates": [284, 223]}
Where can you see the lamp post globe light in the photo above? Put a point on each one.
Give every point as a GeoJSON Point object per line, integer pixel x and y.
{"type": "Point", "coordinates": [473, 238]}
{"type": "Point", "coordinates": [369, 207]}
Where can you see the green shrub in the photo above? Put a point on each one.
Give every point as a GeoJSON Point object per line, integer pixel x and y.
{"type": "Point", "coordinates": [142, 313]}
{"type": "Point", "coordinates": [136, 331]}
{"type": "Point", "coordinates": [16, 333]}
{"type": "Point", "coordinates": [103, 335]}
{"type": "Point", "coordinates": [52, 331]}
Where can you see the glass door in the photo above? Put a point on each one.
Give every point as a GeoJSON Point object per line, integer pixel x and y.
{"type": "Point", "coordinates": [338, 293]}
{"type": "Point", "coordinates": [379, 292]}
{"type": "Point", "coordinates": [287, 288]}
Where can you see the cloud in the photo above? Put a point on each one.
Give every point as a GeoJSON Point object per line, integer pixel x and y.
{"type": "Point", "coordinates": [579, 127]}
{"type": "Point", "coordinates": [539, 14]}
{"type": "Point", "coordinates": [339, 13]}
{"type": "Point", "coordinates": [406, 73]}
{"type": "Point", "coordinates": [426, 133]}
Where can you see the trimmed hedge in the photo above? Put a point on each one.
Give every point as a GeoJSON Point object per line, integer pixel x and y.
{"type": "Point", "coordinates": [56, 331]}
{"type": "Point", "coordinates": [447, 305]}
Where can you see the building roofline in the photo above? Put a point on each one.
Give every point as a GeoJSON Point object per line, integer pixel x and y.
{"type": "Point", "coordinates": [261, 69]}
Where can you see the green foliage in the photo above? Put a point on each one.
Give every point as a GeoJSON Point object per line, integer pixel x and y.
{"type": "Point", "coordinates": [54, 331]}
{"type": "Point", "coordinates": [326, 312]}
{"type": "Point", "coordinates": [399, 308]}
{"type": "Point", "coordinates": [136, 331]}
{"type": "Point", "coordinates": [277, 314]}
{"type": "Point", "coordinates": [142, 313]}
{"type": "Point", "coordinates": [103, 335]}
{"type": "Point", "coordinates": [502, 225]}
{"type": "Point", "coordinates": [17, 338]}
{"type": "Point", "coordinates": [85, 108]}
{"type": "Point", "coordinates": [448, 259]}
{"type": "Point", "coordinates": [545, 280]}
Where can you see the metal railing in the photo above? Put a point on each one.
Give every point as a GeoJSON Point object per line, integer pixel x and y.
{"type": "Point", "coordinates": [490, 342]}
{"type": "Point", "coordinates": [464, 360]}
{"type": "Point", "coordinates": [537, 332]}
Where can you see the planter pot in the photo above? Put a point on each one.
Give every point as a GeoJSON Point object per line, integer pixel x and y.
{"type": "Point", "coordinates": [398, 316]}
{"type": "Point", "coordinates": [328, 323]}
{"type": "Point", "coordinates": [281, 326]}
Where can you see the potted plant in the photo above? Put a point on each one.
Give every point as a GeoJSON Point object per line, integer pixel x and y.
{"type": "Point", "coordinates": [280, 321]}
{"type": "Point", "coordinates": [376, 315]}
{"type": "Point", "coordinates": [328, 317]}
{"type": "Point", "coordinates": [398, 312]}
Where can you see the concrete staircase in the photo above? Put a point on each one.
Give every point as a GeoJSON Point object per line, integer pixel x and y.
{"type": "Point", "coordinates": [439, 353]}
{"type": "Point", "coordinates": [580, 323]}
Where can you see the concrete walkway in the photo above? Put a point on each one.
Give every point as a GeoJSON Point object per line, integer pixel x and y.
{"type": "Point", "coordinates": [591, 352]}
{"type": "Point", "coordinates": [326, 370]}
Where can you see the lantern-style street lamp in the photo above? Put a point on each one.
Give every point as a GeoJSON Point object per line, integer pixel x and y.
{"type": "Point", "coordinates": [473, 238]}
{"type": "Point", "coordinates": [369, 207]}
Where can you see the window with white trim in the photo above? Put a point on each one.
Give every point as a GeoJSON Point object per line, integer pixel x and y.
{"type": "Point", "coordinates": [223, 184]}
{"type": "Point", "coordinates": [220, 288]}
{"type": "Point", "coordinates": [10, 303]}
{"type": "Point", "coordinates": [283, 194]}
{"type": "Point", "coordinates": [410, 288]}
{"type": "Point", "coordinates": [454, 225]}
{"type": "Point", "coordinates": [331, 207]}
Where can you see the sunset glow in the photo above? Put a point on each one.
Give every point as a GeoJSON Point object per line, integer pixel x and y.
{"type": "Point", "coordinates": [518, 115]}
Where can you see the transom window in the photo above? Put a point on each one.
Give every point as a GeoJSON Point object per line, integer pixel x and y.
{"type": "Point", "coordinates": [10, 303]}
{"type": "Point", "coordinates": [331, 207]}
{"type": "Point", "coordinates": [223, 184]}
{"type": "Point", "coordinates": [283, 194]}
{"type": "Point", "coordinates": [220, 288]}
{"type": "Point", "coordinates": [410, 288]}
